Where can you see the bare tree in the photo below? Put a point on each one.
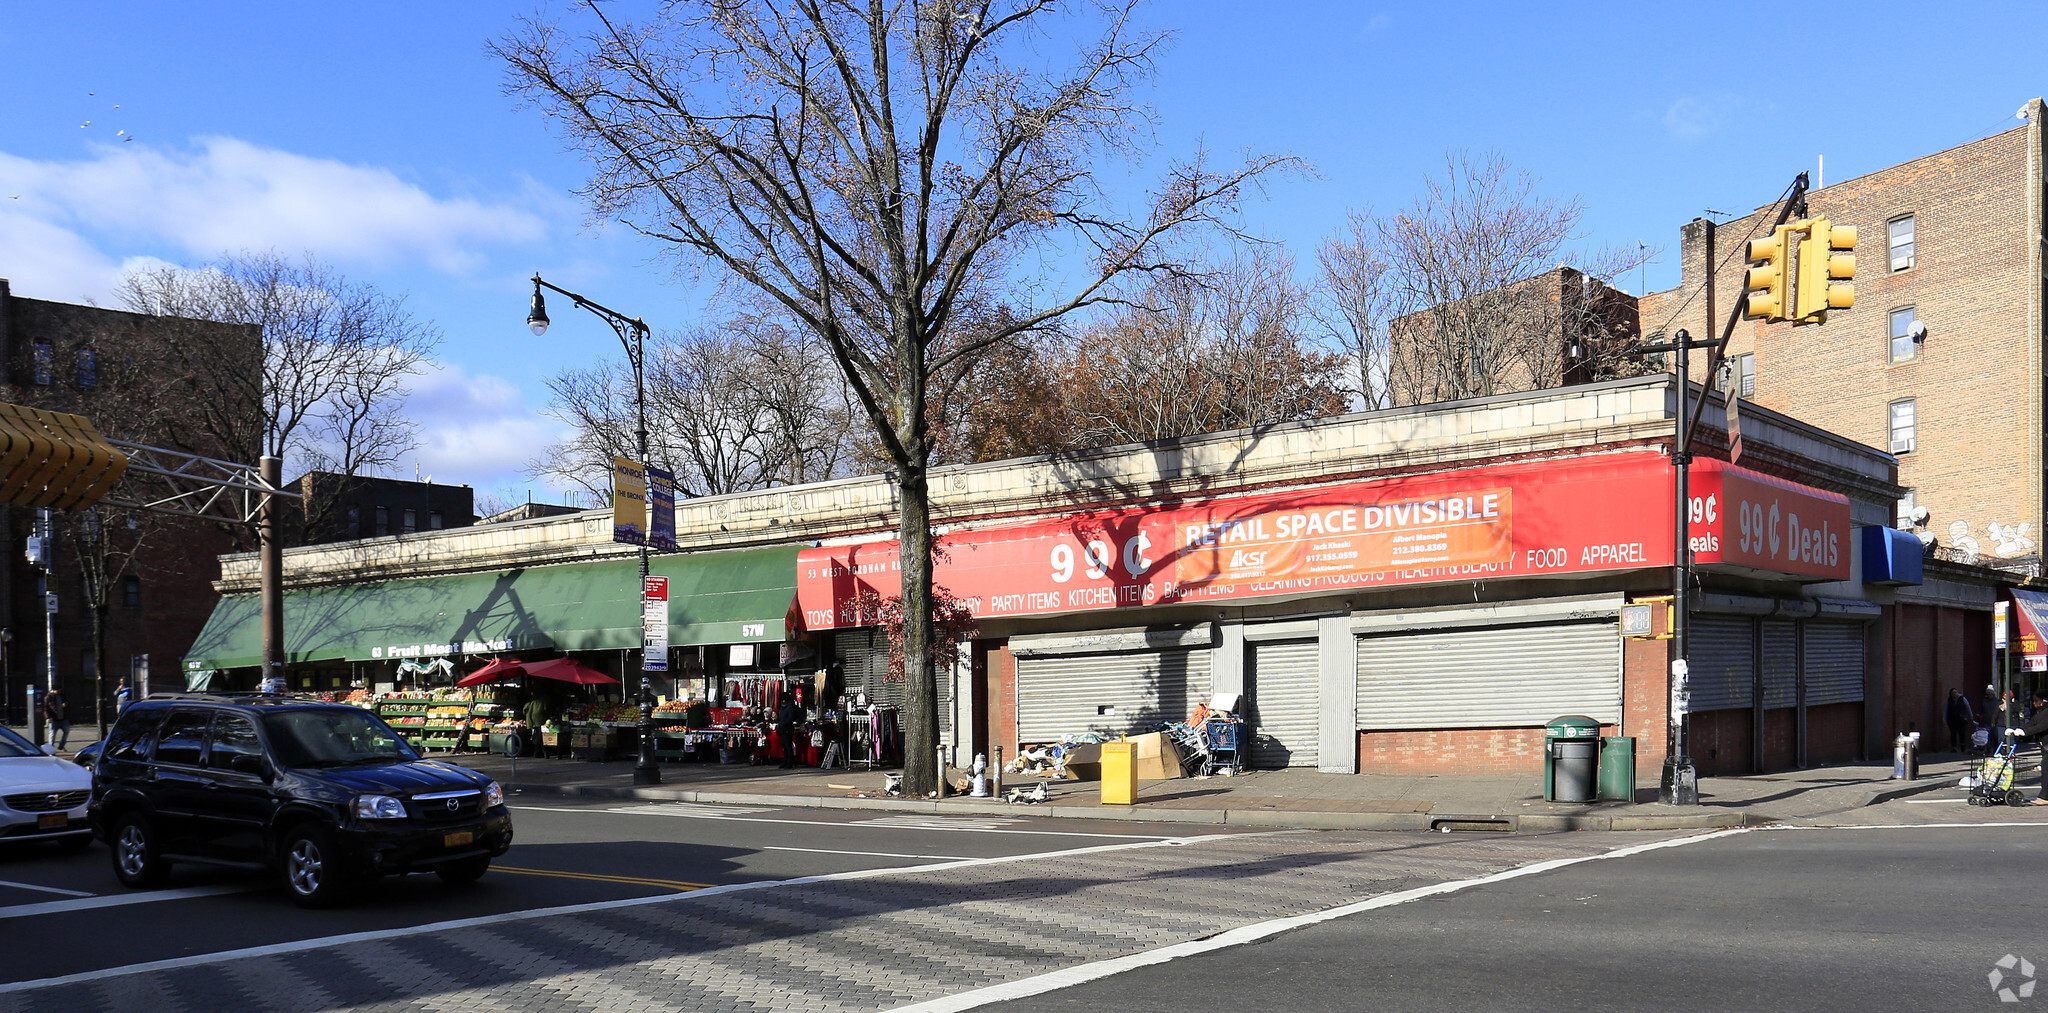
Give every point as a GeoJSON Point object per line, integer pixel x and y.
{"type": "Point", "coordinates": [1196, 353]}
{"type": "Point", "coordinates": [745, 405]}
{"type": "Point", "coordinates": [1465, 292]}
{"type": "Point", "coordinates": [867, 168]}
{"type": "Point", "coordinates": [331, 378]}
{"type": "Point", "coordinates": [1356, 301]}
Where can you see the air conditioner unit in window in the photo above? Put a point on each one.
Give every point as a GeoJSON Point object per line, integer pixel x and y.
{"type": "Point", "coordinates": [1904, 446]}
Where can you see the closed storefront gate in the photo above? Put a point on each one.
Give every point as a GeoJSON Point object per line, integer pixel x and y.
{"type": "Point", "coordinates": [1285, 704]}
{"type": "Point", "coordinates": [1489, 676]}
{"type": "Point", "coordinates": [863, 656]}
{"type": "Point", "coordinates": [1721, 656]}
{"type": "Point", "coordinates": [1109, 694]}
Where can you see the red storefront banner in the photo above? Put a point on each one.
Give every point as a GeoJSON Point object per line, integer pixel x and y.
{"type": "Point", "coordinates": [1743, 518]}
{"type": "Point", "coordinates": [1584, 515]}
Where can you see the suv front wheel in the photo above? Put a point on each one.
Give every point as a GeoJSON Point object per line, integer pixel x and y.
{"type": "Point", "coordinates": [313, 867]}
{"type": "Point", "coordinates": [137, 862]}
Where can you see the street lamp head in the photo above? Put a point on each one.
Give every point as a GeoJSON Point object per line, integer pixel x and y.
{"type": "Point", "coordinates": [537, 318]}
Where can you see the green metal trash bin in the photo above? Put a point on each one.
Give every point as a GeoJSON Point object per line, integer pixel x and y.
{"type": "Point", "coordinates": [1618, 768]}
{"type": "Point", "coordinates": [1571, 758]}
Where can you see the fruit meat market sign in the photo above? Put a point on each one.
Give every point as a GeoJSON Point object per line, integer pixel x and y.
{"type": "Point", "coordinates": [1585, 515]}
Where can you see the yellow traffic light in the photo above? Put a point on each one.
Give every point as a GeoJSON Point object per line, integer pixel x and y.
{"type": "Point", "coordinates": [1824, 275]}
{"type": "Point", "coordinates": [1769, 303]}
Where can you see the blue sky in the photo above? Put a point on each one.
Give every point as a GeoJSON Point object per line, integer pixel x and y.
{"type": "Point", "coordinates": [378, 137]}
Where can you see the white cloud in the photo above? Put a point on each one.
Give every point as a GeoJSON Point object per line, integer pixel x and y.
{"type": "Point", "coordinates": [227, 195]}
{"type": "Point", "coordinates": [1691, 118]}
{"type": "Point", "coordinates": [476, 430]}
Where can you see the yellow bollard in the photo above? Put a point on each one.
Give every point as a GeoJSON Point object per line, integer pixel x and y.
{"type": "Point", "coordinates": [1119, 773]}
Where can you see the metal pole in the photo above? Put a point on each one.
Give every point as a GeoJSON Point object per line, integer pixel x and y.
{"type": "Point", "coordinates": [1679, 784]}
{"type": "Point", "coordinates": [271, 573]}
{"type": "Point", "coordinates": [645, 771]}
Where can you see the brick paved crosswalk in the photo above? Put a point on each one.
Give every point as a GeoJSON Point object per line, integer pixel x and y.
{"type": "Point", "coordinates": [862, 943]}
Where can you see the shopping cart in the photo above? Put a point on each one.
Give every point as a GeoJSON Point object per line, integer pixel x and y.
{"type": "Point", "coordinates": [1991, 783]}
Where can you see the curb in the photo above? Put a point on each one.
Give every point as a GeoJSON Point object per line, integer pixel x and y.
{"type": "Point", "coordinates": [1278, 819]}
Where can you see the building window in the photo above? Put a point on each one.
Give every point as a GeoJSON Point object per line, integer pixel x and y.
{"type": "Point", "coordinates": [1903, 345]}
{"type": "Point", "coordinates": [411, 521]}
{"type": "Point", "coordinates": [383, 521]}
{"type": "Point", "coordinates": [1899, 239]}
{"type": "Point", "coordinates": [43, 359]}
{"type": "Point", "coordinates": [131, 591]}
{"type": "Point", "coordinates": [1902, 426]}
{"type": "Point", "coordinates": [433, 520]}
{"type": "Point", "coordinates": [88, 369]}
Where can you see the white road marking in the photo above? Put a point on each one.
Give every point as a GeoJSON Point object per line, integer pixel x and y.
{"type": "Point", "coordinates": [45, 889]}
{"type": "Point", "coordinates": [1082, 973]}
{"type": "Point", "coordinates": [302, 945]}
{"type": "Point", "coordinates": [873, 854]}
{"type": "Point", "coordinates": [689, 809]}
{"type": "Point", "coordinates": [871, 824]}
{"type": "Point", "coordinates": [89, 902]}
{"type": "Point", "coordinates": [942, 822]}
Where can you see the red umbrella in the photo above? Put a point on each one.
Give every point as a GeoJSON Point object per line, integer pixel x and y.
{"type": "Point", "coordinates": [557, 669]}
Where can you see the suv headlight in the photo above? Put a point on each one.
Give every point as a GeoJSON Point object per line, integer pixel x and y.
{"type": "Point", "coordinates": [494, 795]}
{"type": "Point", "coordinates": [379, 807]}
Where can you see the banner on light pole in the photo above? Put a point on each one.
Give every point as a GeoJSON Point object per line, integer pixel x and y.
{"type": "Point", "coordinates": [629, 501]}
{"type": "Point", "coordinates": [661, 509]}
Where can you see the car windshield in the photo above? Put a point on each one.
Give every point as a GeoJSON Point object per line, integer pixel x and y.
{"type": "Point", "coordinates": [14, 745]}
{"type": "Point", "coordinates": [333, 737]}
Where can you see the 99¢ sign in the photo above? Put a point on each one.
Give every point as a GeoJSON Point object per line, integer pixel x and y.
{"type": "Point", "coordinates": [1753, 519]}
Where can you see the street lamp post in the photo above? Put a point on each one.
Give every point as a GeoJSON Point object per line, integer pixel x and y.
{"type": "Point", "coordinates": [645, 771]}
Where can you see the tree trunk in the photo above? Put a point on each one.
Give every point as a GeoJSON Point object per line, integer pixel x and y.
{"type": "Point", "coordinates": [920, 687]}
{"type": "Point", "coordinates": [99, 668]}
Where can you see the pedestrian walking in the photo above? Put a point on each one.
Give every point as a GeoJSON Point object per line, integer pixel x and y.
{"type": "Point", "coordinates": [121, 696]}
{"type": "Point", "coordinates": [57, 717]}
{"type": "Point", "coordinates": [1988, 710]}
{"type": "Point", "coordinates": [1960, 721]}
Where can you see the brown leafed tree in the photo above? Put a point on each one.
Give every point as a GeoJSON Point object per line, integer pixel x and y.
{"type": "Point", "coordinates": [869, 168]}
{"type": "Point", "coordinates": [1201, 352]}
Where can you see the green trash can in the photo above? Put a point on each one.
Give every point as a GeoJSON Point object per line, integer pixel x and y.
{"type": "Point", "coordinates": [1571, 758]}
{"type": "Point", "coordinates": [1618, 768]}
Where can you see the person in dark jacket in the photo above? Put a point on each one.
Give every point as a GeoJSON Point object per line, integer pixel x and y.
{"type": "Point", "coordinates": [1959, 718]}
{"type": "Point", "coordinates": [2036, 731]}
{"type": "Point", "coordinates": [785, 728]}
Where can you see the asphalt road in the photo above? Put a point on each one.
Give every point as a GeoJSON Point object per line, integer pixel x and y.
{"type": "Point", "coordinates": [566, 853]}
{"type": "Point", "coordinates": [1864, 918]}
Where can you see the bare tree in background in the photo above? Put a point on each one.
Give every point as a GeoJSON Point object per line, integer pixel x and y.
{"type": "Point", "coordinates": [1356, 301]}
{"type": "Point", "coordinates": [745, 405]}
{"type": "Point", "coordinates": [332, 375]}
{"type": "Point", "coordinates": [1458, 282]}
{"type": "Point", "coordinates": [868, 169]}
{"type": "Point", "coordinates": [1197, 353]}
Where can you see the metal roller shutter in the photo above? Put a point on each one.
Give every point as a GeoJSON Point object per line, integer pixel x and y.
{"type": "Point", "coordinates": [1781, 664]}
{"type": "Point", "coordinates": [1286, 704]}
{"type": "Point", "coordinates": [863, 654]}
{"type": "Point", "coordinates": [1718, 652]}
{"type": "Point", "coordinates": [1491, 677]}
{"type": "Point", "coordinates": [1834, 663]}
{"type": "Point", "coordinates": [1065, 694]}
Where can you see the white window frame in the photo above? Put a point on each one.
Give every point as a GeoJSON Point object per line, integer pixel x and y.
{"type": "Point", "coordinates": [1903, 438]}
{"type": "Point", "coordinates": [1892, 337]}
{"type": "Point", "coordinates": [1892, 244]}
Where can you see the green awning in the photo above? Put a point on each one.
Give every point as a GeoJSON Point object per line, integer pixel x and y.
{"type": "Point", "coordinates": [727, 597]}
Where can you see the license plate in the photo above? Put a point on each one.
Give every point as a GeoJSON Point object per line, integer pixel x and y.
{"type": "Point", "coordinates": [457, 840]}
{"type": "Point", "coordinates": [49, 820]}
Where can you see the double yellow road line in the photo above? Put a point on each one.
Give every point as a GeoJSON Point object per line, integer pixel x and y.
{"type": "Point", "coordinates": [665, 884]}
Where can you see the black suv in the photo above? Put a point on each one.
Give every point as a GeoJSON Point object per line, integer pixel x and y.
{"type": "Point", "coordinates": [324, 792]}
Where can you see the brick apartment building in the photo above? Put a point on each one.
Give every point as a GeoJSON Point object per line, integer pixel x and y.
{"type": "Point", "coordinates": [106, 365]}
{"type": "Point", "coordinates": [1940, 360]}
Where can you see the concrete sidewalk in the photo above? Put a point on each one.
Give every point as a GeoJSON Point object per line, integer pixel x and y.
{"type": "Point", "coordinates": [1271, 798]}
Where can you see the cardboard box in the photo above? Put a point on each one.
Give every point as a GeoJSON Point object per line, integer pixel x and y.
{"type": "Point", "coordinates": [1157, 759]}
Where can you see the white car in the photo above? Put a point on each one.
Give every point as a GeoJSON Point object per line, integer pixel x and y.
{"type": "Point", "coordinates": [41, 796]}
